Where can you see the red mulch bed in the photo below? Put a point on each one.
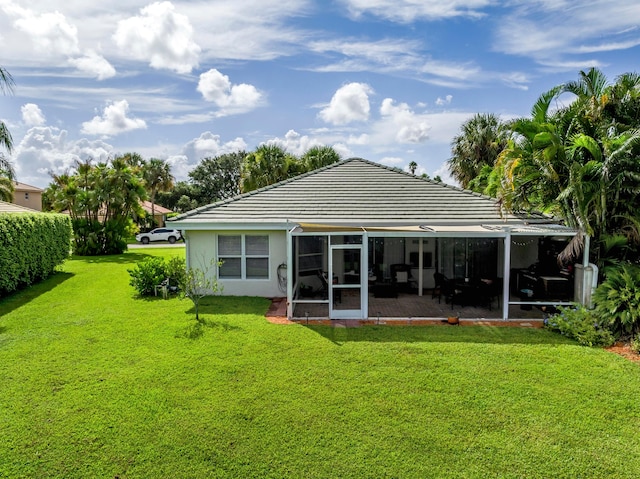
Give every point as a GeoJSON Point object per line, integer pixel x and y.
{"type": "Point", "coordinates": [624, 350]}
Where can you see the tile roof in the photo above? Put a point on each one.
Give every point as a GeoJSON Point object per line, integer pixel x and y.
{"type": "Point", "coordinates": [17, 186]}
{"type": "Point", "coordinates": [13, 208]}
{"type": "Point", "coordinates": [356, 192]}
{"type": "Point", "coordinates": [157, 209]}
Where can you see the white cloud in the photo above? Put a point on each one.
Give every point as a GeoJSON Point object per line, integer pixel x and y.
{"type": "Point", "coordinates": [113, 121]}
{"type": "Point", "coordinates": [444, 101]}
{"type": "Point", "coordinates": [94, 64]}
{"type": "Point", "coordinates": [160, 36]}
{"type": "Point", "coordinates": [50, 32]}
{"type": "Point", "coordinates": [45, 150]}
{"type": "Point", "coordinates": [538, 29]}
{"type": "Point", "coordinates": [349, 103]}
{"type": "Point", "coordinates": [32, 115]}
{"type": "Point", "coordinates": [295, 143]}
{"type": "Point", "coordinates": [217, 88]}
{"type": "Point", "coordinates": [407, 11]}
{"type": "Point", "coordinates": [408, 127]}
{"type": "Point", "coordinates": [206, 145]}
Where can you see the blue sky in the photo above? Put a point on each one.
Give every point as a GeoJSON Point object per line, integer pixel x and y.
{"type": "Point", "coordinates": [386, 80]}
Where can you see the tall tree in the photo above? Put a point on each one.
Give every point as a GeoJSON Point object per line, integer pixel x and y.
{"type": "Point", "coordinates": [579, 162]}
{"type": "Point", "coordinates": [479, 143]}
{"type": "Point", "coordinates": [7, 177]}
{"type": "Point", "coordinates": [319, 156]}
{"type": "Point", "coordinates": [7, 174]}
{"type": "Point", "coordinates": [217, 178]}
{"type": "Point", "coordinates": [412, 167]}
{"type": "Point", "coordinates": [267, 165]}
{"type": "Point", "coordinates": [101, 200]}
{"type": "Point", "coordinates": [157, 177]}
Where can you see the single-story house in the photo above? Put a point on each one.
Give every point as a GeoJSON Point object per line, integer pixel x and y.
{"type": "Point", "coordinates": [342, 238]}
{"type": "Point", "coordinates": [27, 196]}
{"type": "Point", "coordinates": [159, 212]}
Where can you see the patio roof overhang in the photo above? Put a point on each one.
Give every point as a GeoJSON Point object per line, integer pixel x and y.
{"type": "Point", "coordinates": [467, 230]}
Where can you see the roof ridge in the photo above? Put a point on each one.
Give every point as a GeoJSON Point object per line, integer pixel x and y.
{"type": "Point", "coordinates": [233, 199]}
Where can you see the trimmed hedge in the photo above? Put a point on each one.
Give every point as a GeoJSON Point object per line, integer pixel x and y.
{"type": "Point", "coordinates": [31, 246]}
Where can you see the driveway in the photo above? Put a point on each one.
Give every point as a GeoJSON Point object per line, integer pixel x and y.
{"type": "Point", "coordinates": [158, 244]}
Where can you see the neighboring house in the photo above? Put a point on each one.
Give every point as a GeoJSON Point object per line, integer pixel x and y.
{"type": "Point", "coordinates": [27, 196]}
{"type": "Point", "coordinates": [375, 231]}
{"type": "Point", "coordinates": [13, 208]}
{"type": "Point", "coordinates": [159, 212]}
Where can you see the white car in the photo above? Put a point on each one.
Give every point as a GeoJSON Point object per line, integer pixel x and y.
{"type": "Point", "coordinates": [159, 234]}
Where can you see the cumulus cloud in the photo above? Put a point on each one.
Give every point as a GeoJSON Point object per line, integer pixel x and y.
{"type": "Point", "coordinates": [349, 103]}
{"type": "Point", "coordinates": [206, 145]}
{"type": "Point", "coordinates": [50, 32]}
{"type": "Point", "coordinates": [444, 101]}
{"type": "Point", "coordinates": [160, 36]}
{"type": "Point", "coordinates": [217, 88]}
{"type": "Point", "coordinates": [32, 115]}
{"type": "Point", "coordinates": [113, 121]}
{"type": "Point", "coordinates": [408, 127]}
{"type": "Point", "coordinates": [45, 150]}
{"type": "Point", "coordinates": [295, 143]}
{"type": "Point", "coordinates": [94, 64]}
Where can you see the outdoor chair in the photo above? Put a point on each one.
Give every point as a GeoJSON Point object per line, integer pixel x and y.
{"type": "Point", "coordinates": [440, 279]}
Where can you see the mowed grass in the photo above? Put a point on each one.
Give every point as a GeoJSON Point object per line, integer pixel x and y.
{"type": "Point", "coordinates": [96, 383]}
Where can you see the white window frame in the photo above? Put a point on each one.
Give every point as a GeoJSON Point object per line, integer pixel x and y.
{"type": "Point", "coordinates": [243, 256]}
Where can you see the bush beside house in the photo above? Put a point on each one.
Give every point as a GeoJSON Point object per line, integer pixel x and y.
{"type": "Point", "coordinates": [33, 244]}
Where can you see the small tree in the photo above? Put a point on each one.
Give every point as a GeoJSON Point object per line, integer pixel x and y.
{"type": "Point", "coordinates": [200, 282]}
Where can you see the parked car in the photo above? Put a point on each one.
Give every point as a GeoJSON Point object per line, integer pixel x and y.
{"type": "Point", "coordinates": [159, 234]}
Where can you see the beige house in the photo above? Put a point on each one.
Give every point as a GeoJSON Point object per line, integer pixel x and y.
{"type": "Point", "coordinates": [27, 196]}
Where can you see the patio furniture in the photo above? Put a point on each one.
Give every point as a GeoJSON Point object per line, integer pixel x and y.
{"type": "Point", "coordinates": [401, 276]}
{"type": "Point", "coordinates": [440, 280]}
{"type": "Point", "coordinates": [385, 289]}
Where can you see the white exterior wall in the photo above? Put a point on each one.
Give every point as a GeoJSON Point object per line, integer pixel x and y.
{"type": "Point", "coordinates": [202, 249]}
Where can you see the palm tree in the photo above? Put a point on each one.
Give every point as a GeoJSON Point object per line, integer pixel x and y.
{"type": "Point", "coordinates": [319, 156]}
{"type": "Point", "coordinates": [479, 143]}
{"type": "Point", "coordinates": [7, 174]}
{"type": "Point", "coordinates": [6, 86]}
{"type": "Point", "coordinates": [7, 177]}
{"type": "Point", "coordinates": [412, 167]}
{"type": "Point", "coordinates": [267, 165]}
{"type": "Point", "coordinates": [157, 177]}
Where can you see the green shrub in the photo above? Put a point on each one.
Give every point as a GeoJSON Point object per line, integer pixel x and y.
{"type": "Point", "coordinates": [33, 244]}
{"type": "Point", "coordinates": [581, 324]}
{"type": "Point", "coordinates": [635, 344]}
{"type": "Point", "coordinates": [176, 269]}
{"type": "Point", "coordinates": [149, 273]}
{"type": "Point", "coordinates": [617, 300]}
{"type": "Point", "coordinates": [94, 238]}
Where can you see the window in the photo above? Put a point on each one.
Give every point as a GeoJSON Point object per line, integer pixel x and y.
{"type": "Point", "coordinates": [243, 256]}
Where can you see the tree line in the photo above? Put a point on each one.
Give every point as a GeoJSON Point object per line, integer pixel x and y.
{"type": "Point", "coordinates": [227, 175]}
{"type": "Point", "coordinates": [575, 159]}
{"type": "Point", "coordinates": [104, 199]}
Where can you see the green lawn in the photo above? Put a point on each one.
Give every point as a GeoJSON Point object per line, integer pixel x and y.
{"type": "Point", "coordinates": [96, 383]}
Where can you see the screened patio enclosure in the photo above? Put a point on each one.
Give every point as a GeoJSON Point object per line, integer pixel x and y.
{"type": "Point", "coordinates": [363, 273]}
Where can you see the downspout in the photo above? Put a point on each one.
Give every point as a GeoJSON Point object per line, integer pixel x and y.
{"type": "Point", "coordinates": [420, 266]}
{"type": "Point", "coordinates": [585, 265]}
{"type": "Point", "coordinates": [506, 275]}
{"type": "Point", "coordinates": [290, 271]}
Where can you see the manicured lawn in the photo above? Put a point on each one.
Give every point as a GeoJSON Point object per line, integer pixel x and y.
{"type": "Point", "coordinates": [96, 383]}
